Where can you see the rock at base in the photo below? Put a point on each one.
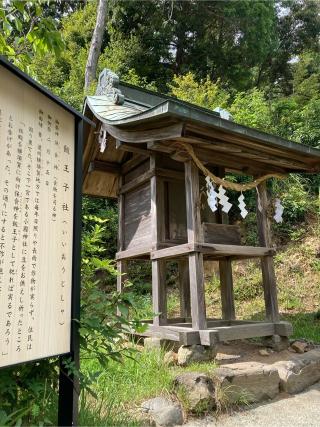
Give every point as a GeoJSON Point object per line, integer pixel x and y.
{"type": "Point", "coordinates": [163, 411]}
{"type": "Point", "coordinates": [277, 342]}
{"type": "Point", "coordinates": [195, 353]}
{"type": "Point", "coordinates": [299, 346]}
{"type": "Point", "coordinates": [197, 391]}
{"type": "Point", "coordinates": [264, 352]}
{"type": "Point", "coordinates": [248, 382]}
{"type": "Point", "coordinates": [296, 375]}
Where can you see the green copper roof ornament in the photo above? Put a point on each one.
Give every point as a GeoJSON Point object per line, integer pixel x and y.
{"type": "Point", "coordinates": [108, 84]}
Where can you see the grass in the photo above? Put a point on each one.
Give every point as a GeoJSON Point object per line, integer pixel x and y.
{"type": "Point", "coordinates": [122, 387]}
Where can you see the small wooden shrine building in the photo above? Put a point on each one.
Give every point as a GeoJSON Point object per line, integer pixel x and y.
{"type": "Point", "coordinates": [152, 152]}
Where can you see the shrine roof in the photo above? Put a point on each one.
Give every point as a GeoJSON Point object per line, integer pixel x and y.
{"type": "Point", "coordinates": [144, 109]}
{"type": "Point", "coordinates": [140, 121]}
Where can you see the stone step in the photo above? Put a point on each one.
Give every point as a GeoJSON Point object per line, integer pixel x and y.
{"type": "Point", "coordinates": [257, 381]}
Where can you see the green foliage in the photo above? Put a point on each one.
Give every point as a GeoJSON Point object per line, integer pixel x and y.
{"type": "Point", "coordinates": [295, 196]}
{"type": "Point", "coordinates": [252, 109]}
{"type": "Point", "coordinates": [25, 32]}
{"type": "Point", "coordinates": [101, 329]}
{"type": "Point", "coordinates": [204, 93]}
{"type": "Point", "coordinates": [28, 393]}
{"type": "Point", "coordinates": [245, 289]}
{"type": "Point", "coordinates": [122, 385]}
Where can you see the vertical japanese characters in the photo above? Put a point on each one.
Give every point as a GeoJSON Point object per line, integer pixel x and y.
{"type": "Point", "coordinates": [36, 223]}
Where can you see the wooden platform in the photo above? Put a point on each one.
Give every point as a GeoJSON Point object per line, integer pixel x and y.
{"type": "Point", "coordinates": [213, 251]}
{"type": "Point", "coordinates": [209, 250]}
{"type": "Point", "coordinates": [218, 330]}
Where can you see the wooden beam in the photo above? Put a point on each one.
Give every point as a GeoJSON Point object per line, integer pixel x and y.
{"type": "Point", "coordinates": [283, 329]}
{"type": "Point", "coordinates": [244, 152]}
{"type": "Point", "coordinates": [136, 182]}
{"type": "Point", "coordinates": [245, 141]}
{"type": "Point", "coordinates": [146, 135]}
{"type": "Point", "coordinates": [214, 250]}
{"type": "Point", "coordinates": [185, 336]}
{"type": "Point", "coordinates": [173, 251]}
{"type": "Point", "coordinates": [208, 154]}
{"type": "Point", "coordinates": [234, 251]}
{"type": "Point", "coordinates": [267, 266]}
{"type": "Point", "coordinates": [132, 149]}
{"type": "Point", "coordinates": [158, 146]}
{"type": "Point", "coordinates": [238, 332]}
{"type": "Point", "coordinates": [169, 174]}
{"type": "Point", "coordinates": [135, 161]}
{"type": "Point", "coordinates": [226, 289]}
{"type": "Point", "coordinates": [101, 166]}
{"type": "Point", "coordinates": [135, 252]}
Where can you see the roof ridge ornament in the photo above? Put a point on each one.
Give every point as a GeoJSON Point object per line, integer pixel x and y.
{"type": "Point", "coordinates": [108, 84]}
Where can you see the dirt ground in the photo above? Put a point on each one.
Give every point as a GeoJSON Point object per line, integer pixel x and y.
{"type": "Point", "coordinates": [246, 351]}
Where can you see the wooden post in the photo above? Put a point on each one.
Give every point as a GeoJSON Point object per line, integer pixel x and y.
{"type": "Point", "coordinates": [198, 307]}
{"type": "Point", "coordinates": [267, 266]}
{"type": "Point", "coordinates": [159, 292]}
{"type": "Point", "coordinates": [122, 268]}
{"type": "Point", "coordinates": [184, 288]}
{"type": "Point", "coordinates": [226, 288]}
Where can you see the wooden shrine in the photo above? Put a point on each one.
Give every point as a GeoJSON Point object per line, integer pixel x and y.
{"type": "Point", "coordinates": [140, 154]}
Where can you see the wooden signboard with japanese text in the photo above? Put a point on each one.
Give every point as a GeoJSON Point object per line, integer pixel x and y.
{"type": "Point", "coordinates": [37, 149]}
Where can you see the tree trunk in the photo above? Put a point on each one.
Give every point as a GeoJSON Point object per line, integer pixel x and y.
{"type": "Point", "coordinates": [96, 42]}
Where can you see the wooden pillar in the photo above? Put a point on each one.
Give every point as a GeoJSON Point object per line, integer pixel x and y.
{"type": "Point", "coordinates": [122, 267]}
{"type": "Point", "coordinates": [267, 266]}
{"type": "Point", "coordinates": [198, 307]}
{"type": "Point", "coordinates": [226, 289]}
{"type": "Point", "coordinates": [184, 288]}
{"type": "Point", "coordinates": [159, 292]}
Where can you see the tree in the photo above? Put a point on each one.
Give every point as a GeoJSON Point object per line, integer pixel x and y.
{"type": "Point", "coordinates": [96, 43]}
{"type": "Point", "coordinates": [24, 32]}
{"type": "Point", "coordinates": [204, 93]}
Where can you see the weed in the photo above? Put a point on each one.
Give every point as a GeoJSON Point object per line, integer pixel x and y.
{"type": "Point", "coordinates": [230, 396]}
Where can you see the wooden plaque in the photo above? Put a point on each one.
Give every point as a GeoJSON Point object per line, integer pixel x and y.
{"type": "Point", "coordinates": [37, 154]}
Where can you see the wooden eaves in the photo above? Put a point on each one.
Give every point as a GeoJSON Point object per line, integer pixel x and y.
{"type": "Point", "coordinates": [216, 141]}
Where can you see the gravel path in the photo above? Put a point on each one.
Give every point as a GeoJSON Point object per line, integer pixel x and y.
{"type": "Point", "coordinates": [300, 410]}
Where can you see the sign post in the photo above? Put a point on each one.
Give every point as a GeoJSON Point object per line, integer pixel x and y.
{"type": "Point", "coordinates": [69, 384]}
{"type": "Point", "coordinates": [40, 229]}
